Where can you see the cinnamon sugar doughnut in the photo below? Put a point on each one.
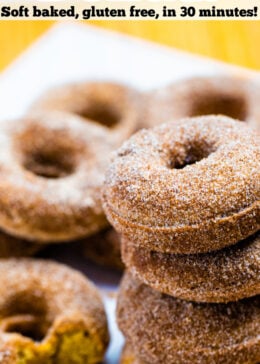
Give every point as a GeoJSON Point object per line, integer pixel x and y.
{"type": "Point", "coordinates": [51, 173]}
{"type": "Point", "coordinates": [226, 275]}
{"type": "Point", "coordinates": [162, 329]}
{"type": "Point", "coordinates": [227, 95]}
{"type": "Point", "coordinates": [49, 313]}
{"type": "Point", "coordinates": [186, 188]}
{"type": "Point", "coordinates": [104, 248]}
{"type": "Point", "coordinates": [112, 106]}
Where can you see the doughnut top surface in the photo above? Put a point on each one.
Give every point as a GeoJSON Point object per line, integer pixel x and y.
{"type": "Point", "coordinates": [185, 174]}
{"type": "Point", "coordinates": [111, 106]}
{"type": "Point", "coordinates": [51, 173]}
{"type": "Point", "coordinates": [231, 96]}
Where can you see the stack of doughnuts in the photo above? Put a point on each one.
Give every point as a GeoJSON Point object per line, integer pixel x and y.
{"type": "Point", "coordinates": [52, 165]}
{"type": "Point", "coordinates": [185, 198]}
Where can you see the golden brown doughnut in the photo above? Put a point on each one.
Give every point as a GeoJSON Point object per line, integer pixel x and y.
{"type": "Point", "coordinates": [51, 173]}
{"type": "Point", "coordinates": [49, 314]}
{"type": "Point", "coordinates": [112, 106]}
{"type": "Point", "coordinates": [104, 248]}
{"type": "Point", "coordinates": [225, 275]}
{"type": "Point", "coordinates": [186, 188]}
{"type": "Point", "coordinates": [161, 329]}
{"type": "Point", "coordinates": [227, 95]}
{"type": "Point", "coordinates": [15, 247]}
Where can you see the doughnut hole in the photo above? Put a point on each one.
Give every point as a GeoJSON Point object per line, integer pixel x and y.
{"type": "Point", "coordinates": [49, 163]}
{"type": "Point", "coordinates": [190, 154]}
{"type": "Point", "coordinates": [100, 112]}
{"type": "Point", "coordinates": [48, 154]}
{"type": "Point", "coordinates": [26, 315]}
{"type": "Point", "coordinates": [234, 106]}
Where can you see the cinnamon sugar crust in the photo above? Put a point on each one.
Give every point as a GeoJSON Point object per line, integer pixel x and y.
{"type": "Point", "coordinates": [227, 95]}
{"type": "Point", "coordinates": [114, 107]}
{"type": "Point", "coordinates": [51, 173]}
{"type": "Point", "coordinates": [191, 187]}
{"type": "Point", "coordinates": [225, 275]}
{"type": "Point", "coordinates": [49, 313]}
{"type": "Point", "coordinates": [161, 329]}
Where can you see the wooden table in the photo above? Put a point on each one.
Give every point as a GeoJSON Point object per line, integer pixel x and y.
{"type": "Point", "coordinates": [230, 41]}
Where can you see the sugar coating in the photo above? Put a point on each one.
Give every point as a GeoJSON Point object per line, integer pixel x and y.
{"type": "Point", "coordinates": [114, 107]}
{"type": "Point", "coordinates": [52, 209]}
{"type": "Point", "coordinates": [186, 188]}
{"type": "Point", "coordinates": [63, 303]}
{"type": "Point", "coordinates": [232, 96]}
{"type": "Point", "coordinates": [161, 329]}
{"type": "Point", "coordinates": [225, 275]}
{"type": "Point", "coordinates": [68, 207]}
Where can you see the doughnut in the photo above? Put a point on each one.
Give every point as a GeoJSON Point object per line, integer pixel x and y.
{"type": "Point", "coordinates": [49, 313]}
{"type": "Point", "coordinates": [103, 249]}
{"type": "Point", "coordinates": [186, 188]}
{"type": "Point", "coordinates": [162, 329]}
{"type": "Point", "coordinates": [51, 173]}
{"type": "Point", "coordinates": [231, 96]}
{"type": "Point", "coordinates": [15, 247]}
{"type": "Point", "coordinates": [114, 107]}
{"type": "Point", "coordinates": [225, 275]}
